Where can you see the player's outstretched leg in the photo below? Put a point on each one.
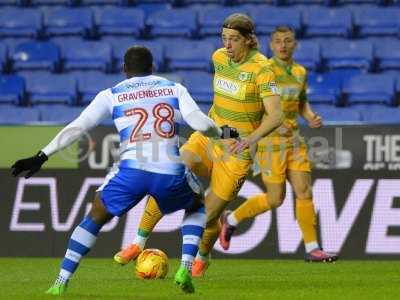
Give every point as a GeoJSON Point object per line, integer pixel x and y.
{"type": "Point", "coordinates": [192, 230]}
{"type": "Point", "coordinates": [150, 218]}
{"type": "Point", "coordinates": [81, 241]}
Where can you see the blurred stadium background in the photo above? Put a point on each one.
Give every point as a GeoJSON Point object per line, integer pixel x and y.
{"type": "Point", "coordinates": [55, 55]}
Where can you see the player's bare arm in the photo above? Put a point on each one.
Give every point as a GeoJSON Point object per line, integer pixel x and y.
{"type": "Point", "coordinates": [272, 120]}
{"type": "Point", "coordinates": [313, 119]}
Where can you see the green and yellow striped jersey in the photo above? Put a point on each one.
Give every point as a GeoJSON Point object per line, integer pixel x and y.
{"type": "Point", "coordinates": [239, 90]}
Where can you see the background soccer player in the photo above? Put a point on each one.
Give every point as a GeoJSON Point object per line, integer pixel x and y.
{"type": "Point", "coordinates": [145, 109]}
{"type": "Point", "coordinates": [283, 153]}
{"type": "Point", "coordinates": [244, 93]}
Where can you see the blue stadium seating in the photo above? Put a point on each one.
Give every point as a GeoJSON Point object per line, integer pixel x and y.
{"type": "Point", "coordinates": [56, 113]}
{"type": "Point", "coordinates": [189, 55]}
{"type": "Point", "coordinates": [347, 54]}
{"type": "Point", "coordinates": [3, 57]}
{"type": "Point", "coordinates": [43, 87]}
{"type": "Point", "coordinates": [323, 89]}
{"type": "Point", "coordinates": [375, 114]}
{"type": "Point", "coordinates": [12, 89]}
{"type": "Point", "coordinates": [87, 55]}
{"type": "Point", "coordinates": [119, 21]}
{"type": "Point", "coordinates": [121, 44]}
{"type": "Point", "coordinates": [331, 114]}
{"type": "Point", "coordinates": [68, 21]}
{"type": "Point", "coordinates": [308, 54]}
{"type": "Point", "coordinates": [377, 21]}
{"type": "Point", "coordinates": [309, 2]}
{"type": "Point", "coordinates": [358, 2]}
{"type": "Point", "coordinates": [25, 22]}
{"type": "Point", "coordinates": [36, 56]}
{"type": "Point", "coordinates": [13, 115]}
{"type": "Point", "coordinates": [199, 85]}
{"type": "Point", "coordinates": [53, 2]}
{"type": "Point", "coordinates": [11, 43]}
{"type": "Point", "coordinates": [91, 83]}
{"type": "Point", "coordinates": [104, 2]}
{"type": "Point", "coordinates": [322, 21]}
{"type": "Point", "coordinates": [12, 2]}
{"type": "Point", "coordinates": [178, 22]}
{"type": "Point", "coordinates": [370, 88]}
{"type": "Point", "coordinates": [210, 20]}
{"type": "Point", "coordinates": [387, 53]}
{"type": "Point", "coordinates": [276, 16]}
{"type": "Point", "coordinates": [205, 2]}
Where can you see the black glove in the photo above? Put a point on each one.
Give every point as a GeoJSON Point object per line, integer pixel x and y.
{"type": "Point", "coordinates": [31, 164]}
{"type": "Point", "coordinates": [229, 132]}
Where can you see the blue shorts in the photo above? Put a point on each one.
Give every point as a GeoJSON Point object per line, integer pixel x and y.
{"type": "Point", "coordinates": [128, 186]}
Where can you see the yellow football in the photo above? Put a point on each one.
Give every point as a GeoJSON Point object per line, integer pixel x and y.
{"type": "Point", "coordinates": [152, 264]}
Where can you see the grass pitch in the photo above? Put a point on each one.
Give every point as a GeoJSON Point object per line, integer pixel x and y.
{"type": "Point", "coordinates": [227, 279]}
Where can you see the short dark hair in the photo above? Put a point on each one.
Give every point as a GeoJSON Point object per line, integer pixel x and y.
{"type": "Point", "coordinates": [283, 28]}
{"type": "Point", "coordinates": [139, 60]}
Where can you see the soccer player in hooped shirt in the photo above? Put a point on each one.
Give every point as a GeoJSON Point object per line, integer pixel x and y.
{"type": "Point", "coordinates": [145, 109]}
{"type": "Point", "coordinates": [245, 97]}
{"type": "Point", "coordinates": [283, 153]}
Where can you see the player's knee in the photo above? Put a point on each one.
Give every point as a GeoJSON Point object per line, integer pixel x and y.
{"type": "Point", "coordinates": [275, 202]}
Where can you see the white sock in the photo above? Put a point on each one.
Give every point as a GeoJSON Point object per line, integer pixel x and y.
{"type": "Point", "coordinates": [311, 246]}
{"type": "Point", "coordinates": [140, 241]}
{"type": "Point", "coordinates": [232, 220]}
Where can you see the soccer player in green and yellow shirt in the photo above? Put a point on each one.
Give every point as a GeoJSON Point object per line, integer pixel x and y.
{"type": "Point", "coordinates": [245, 97]}
{"type": "Point", "coordinates": [283, 153]}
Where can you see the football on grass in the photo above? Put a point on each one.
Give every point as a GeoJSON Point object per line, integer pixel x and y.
{"type": "Point", "coordinates": [152, 264]}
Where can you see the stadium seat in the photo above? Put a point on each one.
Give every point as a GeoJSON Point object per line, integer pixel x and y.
{"type": "Point", "coordinates": [11, 43]}
{"type": "Point", "coordinates": [358, 2]}
{"type": "Point", "coordinates": [377, 21]}
{"type": "Point", "coordinates": [91, 83]}
{"type": "Point", "coordinates": [68, 21]}
{"type": "Point", "coordinates": [322, 21]}
{"type": "Point", "coordinates": [119, 21]}
{"type": "Point", "coordinates": [276, 16]}
{"type": "Point", "coordinates": [323, 89]}
{"type": "Point", "coordinates": [204, 2]}
{"type": "Point", "coordinates": [105, 2]}
{"type": "Point", "coordinates": [257, 2]}
{"type": "Point", "coordinates": [330, 114]}
{"type": "Point", "coordinates": [210, 20]}
{"type": "Point", "coordinates": [12, 89]}
{"type": "Point", "coordinates": [310, 2]}
{"type": "Point", "coordinates": [121, 44]}
{"type": "Point", "coordinates": [308, 54]}
{"type": "Point", "coordinates": [199, 85]}
{"type": "Point", "coordinates": [13, 115]}
{"type": "Point", "coordinates": [43, 87]}
{"type": "Point", "coordinates": [53, 2]}
{"type": "Point", "coordinates": [25, 22]}
{"type": "Point", "coordinates": [174, 22]}
{"type": "Point", "coordinates": [387, 53]}
{"type": "Point", "coordinates": [3, 57]}
{"type": "Point", "coordinates": [380, 114]}
{"type": "Point", "coordinates": [87, 55]}
{"type": "Point", "coordinates": [370, 88]}
{"type": "Point", "coordinates": [58, 114]}
{"type": "Point", "coordinates": [264, 41]}
{"type": "Point", "coordinates": [205, 107]}
{"type": "Point", "coordinates": [12, 2]}
{"type": "Point", "coordinates": [189, 55]}
{"type": "Point", "coordinates": [36, 55]}
{"type": "Point", "coordinates": [347, 54]}
{"type": "Point", "coordinates": [215, 40]}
